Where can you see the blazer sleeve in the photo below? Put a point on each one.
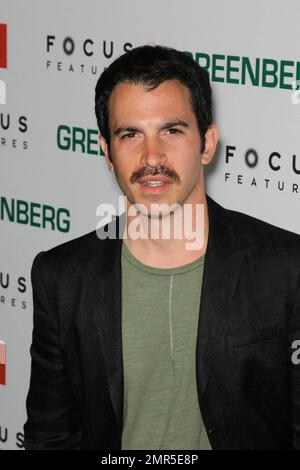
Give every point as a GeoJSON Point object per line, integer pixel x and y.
{"type": "Point", "coordinates": [53, 420]}
{"type": "Point", "coordinates": [294, 369]}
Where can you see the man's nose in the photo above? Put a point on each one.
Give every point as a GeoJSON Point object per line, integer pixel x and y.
{"type": "Point", "coordinates": [153, 152]}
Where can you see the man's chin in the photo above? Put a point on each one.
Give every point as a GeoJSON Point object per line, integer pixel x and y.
{"type": "Point", "coordinates": [154, 210]}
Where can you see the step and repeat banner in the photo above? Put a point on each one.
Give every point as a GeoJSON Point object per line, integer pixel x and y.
{"type": "Point", "coordinates": [52, 172]}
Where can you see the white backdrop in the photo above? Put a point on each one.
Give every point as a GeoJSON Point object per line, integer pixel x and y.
{"type": "Point", "coordinates": [55, 53]}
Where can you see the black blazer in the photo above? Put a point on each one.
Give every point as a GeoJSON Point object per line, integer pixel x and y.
{"type": "Point", "coordinates": [248, 386]}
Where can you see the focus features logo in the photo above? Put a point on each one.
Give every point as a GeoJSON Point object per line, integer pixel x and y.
{"type": "Point", "coordinates": [13, 291]}
{"type": "Point", "coordinates": [12, 130]}
{"type": "Point", "coordinates": [5, 437]}
{"type": "Point", "coordinates": [274, 164]}
{"type": "Point", "coordinates": [81, 55]}
{"type": "Point", "coordinates": [12, 127]}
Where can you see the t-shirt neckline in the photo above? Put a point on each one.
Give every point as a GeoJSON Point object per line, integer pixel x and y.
{"type": "Point", "coordinates": [160, 271]}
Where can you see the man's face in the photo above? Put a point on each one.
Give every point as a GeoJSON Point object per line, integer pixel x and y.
{"type": "Point", "coordinates": [155, 144]}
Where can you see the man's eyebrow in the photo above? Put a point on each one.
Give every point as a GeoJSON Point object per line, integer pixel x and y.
{"type": "Point", "coordinates": [177, 122]}
{"type": "Point", "coordinates": [121, 129]}
{"type": "Point", "coordinates": [167, 125]}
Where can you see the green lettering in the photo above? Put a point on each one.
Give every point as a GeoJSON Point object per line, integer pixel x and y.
{"type": "Point", "coordinates": [246, 67]}
{"type": "Point", "coordinates": [78, 138]}
{"type": "Point", "coordinates": [216, 67]}
{"type": "Point", "coordinates": [48, 218]}
{"type": "Point", "coordinates": [230, 69]}
{"type": "Point", "coordinates": [204, 63]}
{"type": "Point", "coordinates": [22, 209]}
{"type": "Point", "coordinates": [63, 142]}
{"type": "Point", "coordinates": [270, 68]}
{"type": "Point", "coordinates": [5, 208]}
{"type": "Point", "coordinates": [63, 224]}
{"type": "Point", "coordinates": [34, 214]}
{"type": "Point", "coordinates": [285, 74]}
{"type": "Point", "coordinates": [91, 141]}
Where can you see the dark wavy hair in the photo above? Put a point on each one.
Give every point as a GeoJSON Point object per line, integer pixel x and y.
{"type": "Point", "coordinates": [150, 66]}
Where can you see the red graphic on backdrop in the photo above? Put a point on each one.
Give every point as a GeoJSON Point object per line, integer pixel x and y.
{"type": "Point", "coordinates": [3, 46]}
{"type": "Point", "coordinates": [2, 363]}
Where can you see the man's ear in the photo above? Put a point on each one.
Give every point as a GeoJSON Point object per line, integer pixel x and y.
{"type": "Point", "coordinates": [211, 140]}
{"type": "Point", "coordinates": [104, 147]}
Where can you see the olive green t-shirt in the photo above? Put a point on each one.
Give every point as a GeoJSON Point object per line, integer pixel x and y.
{"type": "Point", "coordinates": [160, 312]}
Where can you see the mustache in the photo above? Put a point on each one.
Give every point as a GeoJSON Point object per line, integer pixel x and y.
{"type": "Point", "coordinates": [161, 170]}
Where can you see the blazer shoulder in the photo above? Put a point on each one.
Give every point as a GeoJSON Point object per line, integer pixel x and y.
{"type": "Point", "coordinates": [259, 237]}
{"type": "Point", "coordinates": [262, 235]}
{"type": "Point", "coordinates": [75, 255]}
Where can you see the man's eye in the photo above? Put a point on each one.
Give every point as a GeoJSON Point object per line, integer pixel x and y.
{"type": "Point", "coordinates": [174, 131]}
{"type": "Point", "coordinates": [128, 135]}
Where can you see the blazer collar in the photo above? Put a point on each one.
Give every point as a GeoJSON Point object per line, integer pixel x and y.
{"type": "Point", "coordinates": [222, 264]}
{"type": "Point", "coordinates": [223, 259]}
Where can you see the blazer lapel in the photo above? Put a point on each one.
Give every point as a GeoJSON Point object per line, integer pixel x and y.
{"type": "Point", "coordinates": [107, 305]}
{"type": "Point", "coordinates": [222, 264]}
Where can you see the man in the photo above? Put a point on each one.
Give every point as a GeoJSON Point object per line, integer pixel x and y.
{"type": "Point", "coordinates": [140, 342]}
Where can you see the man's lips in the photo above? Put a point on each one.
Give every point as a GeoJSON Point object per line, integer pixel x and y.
{"type": "Point", "coordinates": [162, 179]}
{"type": "Point", "coordinates": [155, 189]}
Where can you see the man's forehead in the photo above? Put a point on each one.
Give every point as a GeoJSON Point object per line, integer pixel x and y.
{"type": "Point", "coordinates": [128, 96]}
{"type": "Point", "coordinates": [124, 88]}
